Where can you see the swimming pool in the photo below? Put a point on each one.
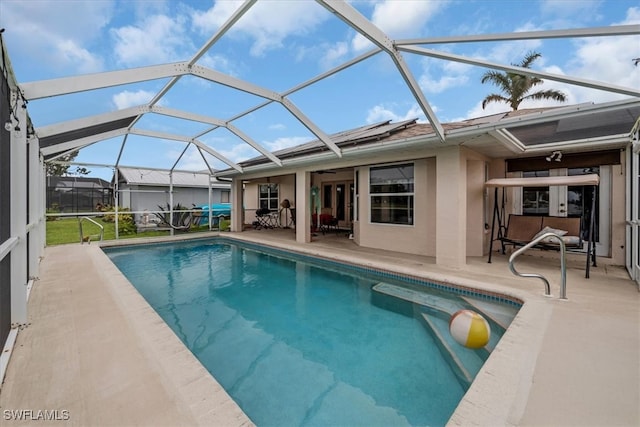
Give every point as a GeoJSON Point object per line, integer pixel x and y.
{"type": "Point", "coordinates": [297, 341]}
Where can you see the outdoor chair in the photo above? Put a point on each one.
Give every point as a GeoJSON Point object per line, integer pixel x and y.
{"type": "Point", "coordinates": [264, 219]}
{"type": "Point", "coordinates": [327, 222]}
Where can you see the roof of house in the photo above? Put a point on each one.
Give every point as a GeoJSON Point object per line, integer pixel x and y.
{"type": "Point", "coordinates": [154, 177]}
{"type": "Point", "coordinates": [577, 123]}
{"type": "Point", "coordinates": [77, 182]}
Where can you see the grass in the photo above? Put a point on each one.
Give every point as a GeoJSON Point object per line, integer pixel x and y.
{"type": "Point", "coordinates": [67, 230]}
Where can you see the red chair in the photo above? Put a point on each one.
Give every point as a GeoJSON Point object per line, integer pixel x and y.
{"type": "Point", "coordinates": [327, 222]}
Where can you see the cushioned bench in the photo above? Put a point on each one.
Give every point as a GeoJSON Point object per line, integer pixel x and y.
{"type": "Point", "coordinates": [522, 229]}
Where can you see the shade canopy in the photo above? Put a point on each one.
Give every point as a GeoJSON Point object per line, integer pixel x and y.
{"type": "Point", "coordinates": [545, 181]}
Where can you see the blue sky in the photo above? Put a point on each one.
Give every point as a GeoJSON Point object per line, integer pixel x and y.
{"type": "Point", "coordinates": [280, 44]}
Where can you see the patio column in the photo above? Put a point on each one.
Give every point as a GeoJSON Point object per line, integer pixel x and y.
{"type": "Point", "coordinates": [236, 205]}
{"type": "Point", "coordinates": [303, 207]}
{"type": "Point", "coordinates": [451, 207]}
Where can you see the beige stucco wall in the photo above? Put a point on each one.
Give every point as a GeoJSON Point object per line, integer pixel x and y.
{"type": "Point", "coordinates": [465, 205]}
{"type": "Point", "coordinates": [401, 238]}
{"type": "Point", "coordinates": [286, 190]}
{"type": "Point", "coordinates": [475, 207]}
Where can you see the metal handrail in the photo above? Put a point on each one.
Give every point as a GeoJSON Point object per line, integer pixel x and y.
{"type": "Point", "coordinates": [80, 219]}
{"type": "Point", "coordinates": [563, 267]}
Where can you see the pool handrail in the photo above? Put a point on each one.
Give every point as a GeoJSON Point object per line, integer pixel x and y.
{"type": "Point", "coordinates": [563, 267]}
{"type": "Point", "coordinates": [82, 218]}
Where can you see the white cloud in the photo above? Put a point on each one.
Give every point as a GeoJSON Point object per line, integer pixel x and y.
{"type": "Point", "coordinates": [238, 152]}
{"type": "Point", "coordinates": [267, 23]}
{"type": "Point", "coordinates": [399, 19]}
{"type": "Point", "coordinates": [438, 76]}
{"type": "Point", "coordinates": [209, 21]}
{"type": "Point", "coordinates": [563, 12]}
{"type": "Point", "coordinates": [381, 113]}
{"type": "Point", "coordinates": [126, 99]}
{"type": "Point", "coordinates": [156, 39]}
{"type": "Point", "coordinates": [334, 55]}
{"type": "Point", "coordinates": [83, 60]}
{"type": "Point", "coordinates": [52, 17]}
{"type": "Point", "coordinates": [608, 60]}
{"type": "Point", "coordinates": [478, 111]}
{"type": "Point", "coordinates": [287, 142]}
{"type": "Point", "coordinates": [191, 160]}
{"type": "Point", "coordinates": [43, 30]}
{"type": "Point", "coordinates": [219, 63]}
{"type": "Point", "coordinates": [277, 126]}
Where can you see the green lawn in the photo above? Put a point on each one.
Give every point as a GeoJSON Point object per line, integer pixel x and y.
{"type": "Point", "coordinates": [67, 230]}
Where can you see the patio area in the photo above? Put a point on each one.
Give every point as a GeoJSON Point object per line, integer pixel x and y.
{"type": "Point", "coordinates": [94, 348]}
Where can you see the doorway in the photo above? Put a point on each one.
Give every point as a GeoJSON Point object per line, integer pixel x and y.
{"type": "Point", "coordinates": [337, 199]}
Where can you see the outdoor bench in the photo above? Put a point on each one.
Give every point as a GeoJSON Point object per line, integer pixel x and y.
{"type": "Point", "coordinates": [522, 229]}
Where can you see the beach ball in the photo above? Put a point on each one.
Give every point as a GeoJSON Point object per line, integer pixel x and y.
{"type": "Point", "coordinates": [469, 329]}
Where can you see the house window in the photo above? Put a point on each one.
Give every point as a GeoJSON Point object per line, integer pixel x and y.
{"type": "Point", "coordinates": [391, 191]}
{"type": "Point", "coordinates": [268, 197]}
{"type": "Point", "coordinates": [225, 196]}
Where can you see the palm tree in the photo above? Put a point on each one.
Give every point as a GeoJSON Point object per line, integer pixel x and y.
{"type": "Point", "coordinates": [515, 87]}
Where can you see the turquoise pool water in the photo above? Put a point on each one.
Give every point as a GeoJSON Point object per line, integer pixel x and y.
{"type": "Point", "coordinates": [299, 343]}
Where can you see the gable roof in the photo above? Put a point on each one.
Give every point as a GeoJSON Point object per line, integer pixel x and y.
{"type": "Point", "coordinates": [68, 182]}
{"type": "Point", "coordinates": [154, 177]}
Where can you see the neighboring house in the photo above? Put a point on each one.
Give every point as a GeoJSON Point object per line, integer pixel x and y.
{"type": "Point", "coordinates": [147, 189]}
{"type": "Point", "coordinates": [397, 186]}
{"type": "Point", "coordinates": [68, 194]}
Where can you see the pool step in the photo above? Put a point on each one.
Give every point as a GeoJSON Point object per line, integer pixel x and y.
{"type": "Point", "coordinates": [500, 314]}
{"type": "Point", "coordinates": [434, 302]}
{"type": "Point", "coordinates": [436, 312]}
{"type": "Point", "coordinates": [458, 367]}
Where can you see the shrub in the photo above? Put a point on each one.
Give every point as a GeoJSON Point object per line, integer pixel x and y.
{"type": "Point", "coordinates": [54, 209]}
{"type": "Point", "coordinates": [180, 219]}
{"type": "Point", "coordinates": [126, 224]}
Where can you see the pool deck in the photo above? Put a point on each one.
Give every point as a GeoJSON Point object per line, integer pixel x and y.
{"type": "Point", "coordinates": [95, 349]}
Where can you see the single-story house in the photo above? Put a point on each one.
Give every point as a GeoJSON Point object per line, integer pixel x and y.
{"type": "Point", "coordinates": [397, 186]}
{"type": "Point", "coordinates": [147, 190]}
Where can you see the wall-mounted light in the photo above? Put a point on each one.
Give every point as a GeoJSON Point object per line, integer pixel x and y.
{"type": "Point", "coordinates": [556, 155]}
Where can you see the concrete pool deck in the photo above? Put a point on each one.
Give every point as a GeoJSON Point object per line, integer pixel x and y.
{"type": "Point", "coordinates": [94, 348]}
